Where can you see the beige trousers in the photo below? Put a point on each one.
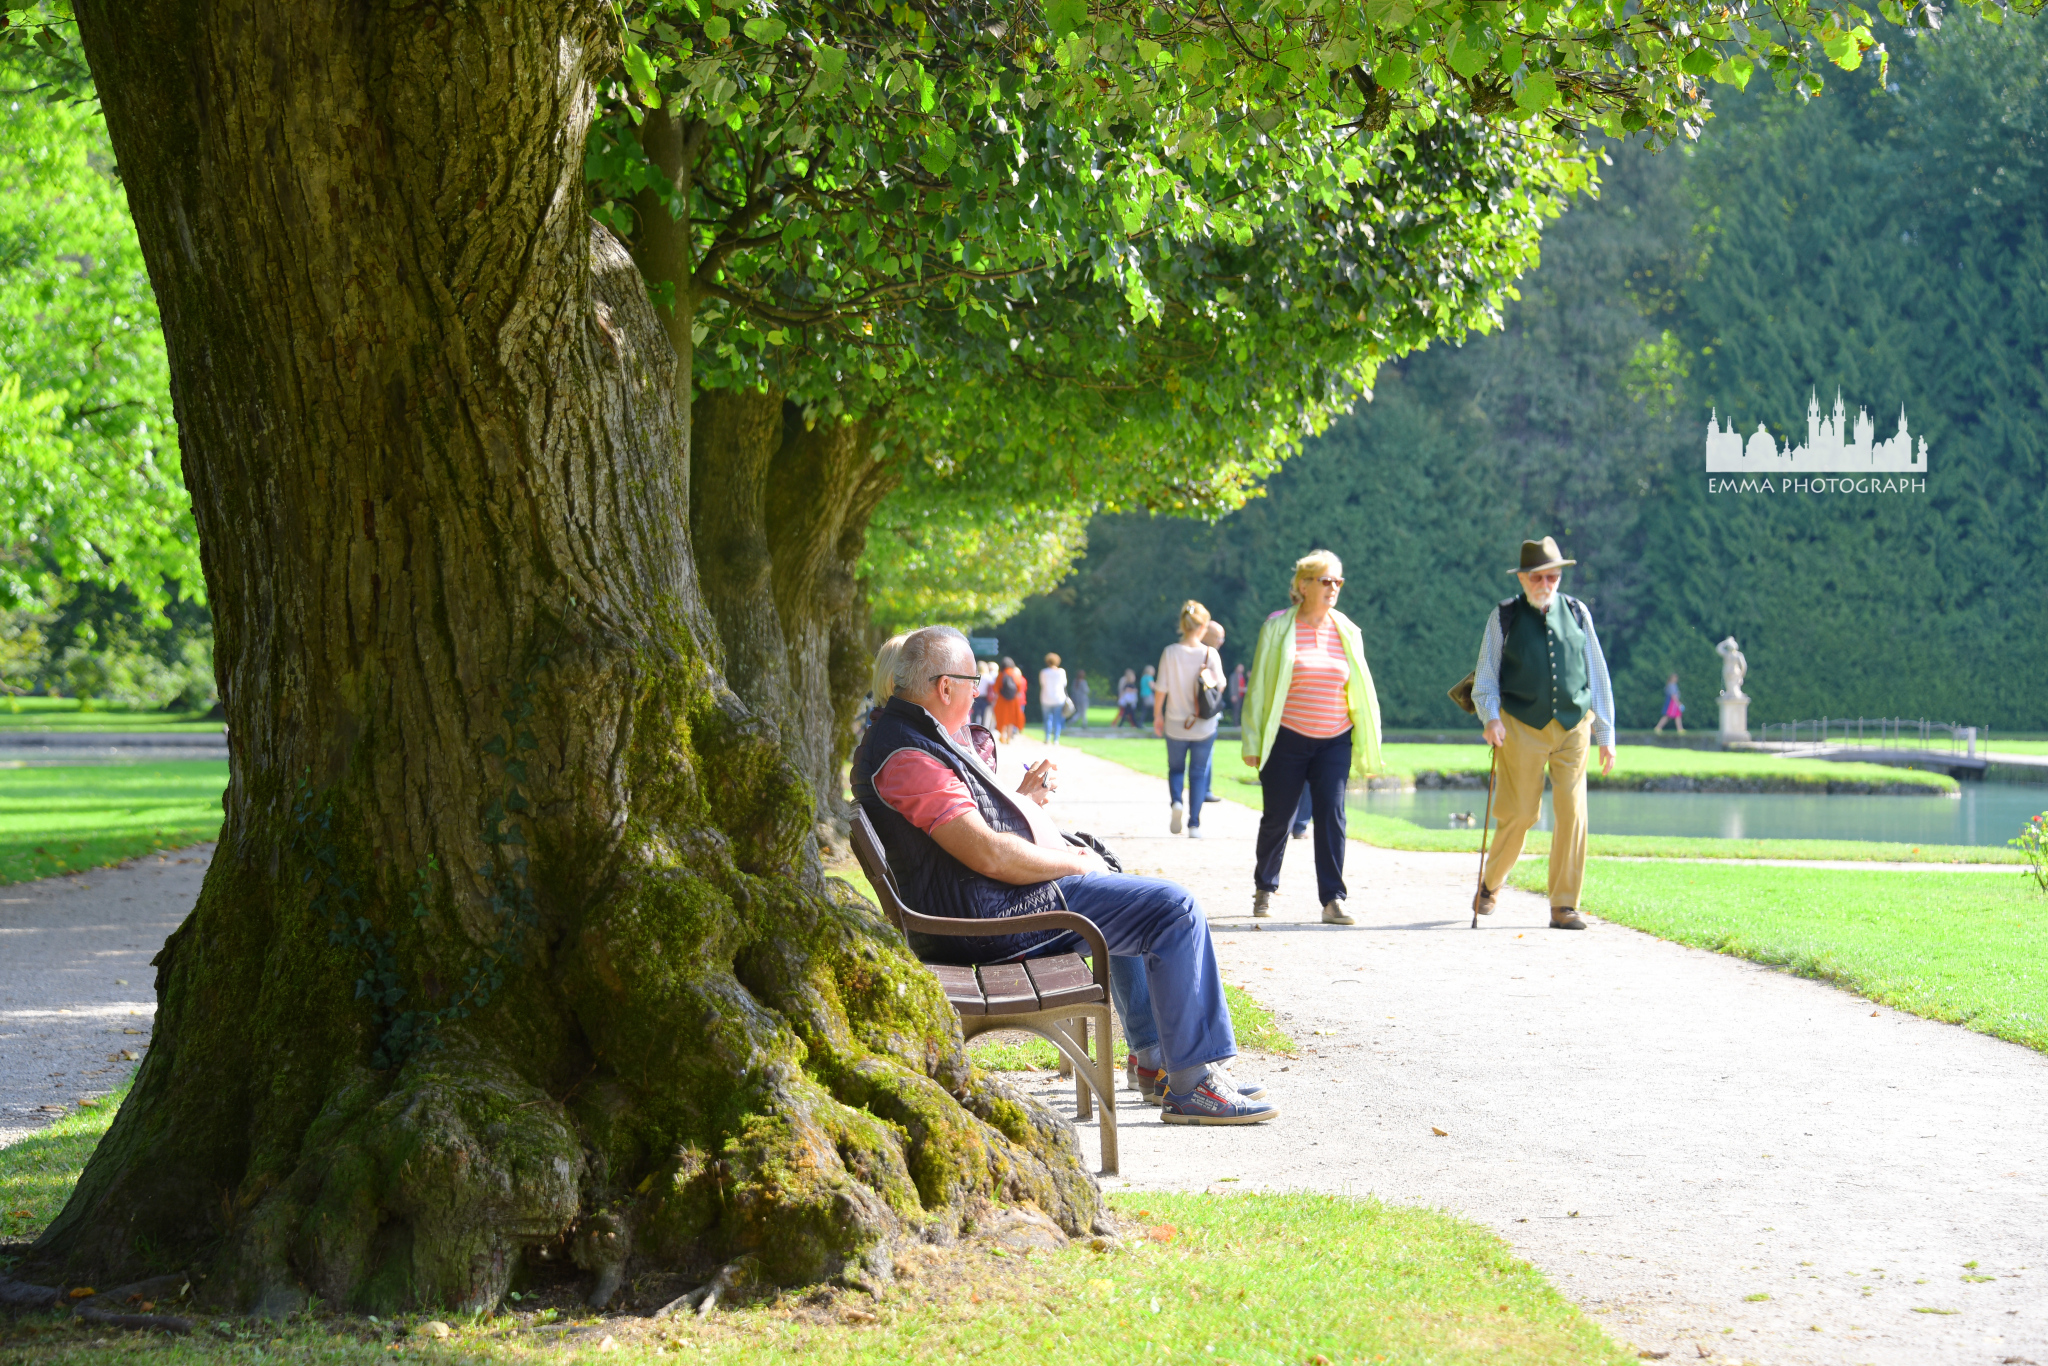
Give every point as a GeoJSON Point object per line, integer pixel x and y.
{"type": "Point", "coordinates": [1518, 801]}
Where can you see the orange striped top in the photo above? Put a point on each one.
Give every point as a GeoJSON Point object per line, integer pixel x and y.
{"type": "Point", "coordinates": [1315, 696]}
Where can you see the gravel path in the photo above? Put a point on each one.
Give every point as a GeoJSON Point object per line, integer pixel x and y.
{"type": "Point", "coordinates": [1669, 1133]}
{"type": "Point", "coordinates": [76, 987]}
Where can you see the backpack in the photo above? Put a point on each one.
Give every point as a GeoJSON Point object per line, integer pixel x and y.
{"type": "Point", "coordinates": [1509, 609]}
{"type": "Point", "coordinates": [1007, 689]}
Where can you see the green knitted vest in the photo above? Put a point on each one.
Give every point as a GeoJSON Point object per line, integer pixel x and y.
{"type": "Point", "coordinates": [1543, 667]}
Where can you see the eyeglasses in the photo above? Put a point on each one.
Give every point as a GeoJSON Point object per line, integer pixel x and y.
{"type": "Point", "coordinates": [1548, 576]}
{"type": "Point", "coordinates": [964, 678]}
{"type": "Point", "coordinates": [1331, 583]}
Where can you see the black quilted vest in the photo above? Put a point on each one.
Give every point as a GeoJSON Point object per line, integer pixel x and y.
{"type": "Point", "coordinates": [932, 881]}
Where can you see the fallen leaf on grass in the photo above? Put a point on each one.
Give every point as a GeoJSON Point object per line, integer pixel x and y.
{"type": "Point", "coordinates": [130, 1055]}
{"type": "Point", "coordinates": [1438, 1132]}
{"type": "Point", "coordinates": [20, 1214]}
{"type": "Point", "coordinates": [1318, 1360]}
{"type": "Point", "coordinates": [1163, 1233]}
{"type": "Point", "coordinates": [858, 1316]}
{"type": "Point", "coordinates": [1873, 1014]}
{"type": "Point", "coordinates": [1647, 1355]}
{"type": "Point", "coordinates": [80, 1292]}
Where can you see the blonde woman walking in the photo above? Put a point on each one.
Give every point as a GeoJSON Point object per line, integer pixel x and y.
{"type": "Point", "coordinates": [1310, 717]}
{"type": "Point", "coordinates": [1188, 669]}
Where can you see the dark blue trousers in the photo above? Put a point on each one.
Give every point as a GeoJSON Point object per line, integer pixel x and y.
{"type": "Point", "coordinates": [1323, 765]}
{"type": "Point", "coordinates": [1163, 974]}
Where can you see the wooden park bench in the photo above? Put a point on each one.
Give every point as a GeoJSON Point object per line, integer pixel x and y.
{"type": "Point", "coordinates": [1056, 997]}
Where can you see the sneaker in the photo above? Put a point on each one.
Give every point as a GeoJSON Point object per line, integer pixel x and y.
{"type": "Point", "coordinates": [1194, 832]}
{"type": "Point", "coordinates": [1250, 1090]}
{"type": "Point", "coordinates": [1208, 797]}
{"type": "Point", "coordinates": [1212, 1103]}
{"type": "Point", "coordinates": [1179, 811]}
{"type": "Point", "coordinates": [1262, 905]}
{"type": "Point", "coordinates": [1150, 1084]}
{"type": "Point", "coordinates": [1302, 833]}
{"type": "Point", "coordinates": [1333, 914]}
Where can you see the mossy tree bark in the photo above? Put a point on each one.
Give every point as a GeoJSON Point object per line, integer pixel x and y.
{"type": "Point", "coordinates": [505, 949]}
{"type": "Point", "coordinates": [780, 510]}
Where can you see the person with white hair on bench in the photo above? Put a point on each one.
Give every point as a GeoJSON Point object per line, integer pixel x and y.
{"type": "Point", "coordinates": [962, 845]}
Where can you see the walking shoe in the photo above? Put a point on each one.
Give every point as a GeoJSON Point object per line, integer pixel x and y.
{"type": "Point", "coordinates": [1333, 914]}
{"type": "Point", "coordinates": [1302, 833]}
{"type": "Point", "coordinates": [1150, 1084]}
{"type": "Point", "coordinates": [1194, 832]}
{"type": "Point", "coordinates": [1213, 1103]}
{"type": "Point", "coordinates": [1482, 901]}
{"type": "Point", "coordinates": [1208, 797]}
{"type": "Point", "coordinates": [1262, 905]}
{"type": "Point", "coordinates": [1178, 812]}
{"type": "Point", "coordinates": [1250, 1090]}
{"type": "Point", "coordinates": [1565, 918]}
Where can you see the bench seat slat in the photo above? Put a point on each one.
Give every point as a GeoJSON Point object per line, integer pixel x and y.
{"type": "Point", "coordinates": [1062, 980]}
{"type": "Point", "coordinates": [961, 989]}
{"type": "Point", "coordinates": [1008, 989]}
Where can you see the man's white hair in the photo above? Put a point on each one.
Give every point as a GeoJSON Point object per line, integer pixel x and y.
{"type": "Point", "coordinates": [927, 651]}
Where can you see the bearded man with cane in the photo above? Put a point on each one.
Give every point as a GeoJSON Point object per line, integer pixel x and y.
{"type": "Point", "coordinates": [1542, 689]}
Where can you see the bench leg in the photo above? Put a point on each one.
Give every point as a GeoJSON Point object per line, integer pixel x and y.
{"type": "Point", "coordinates": [1084, 1100]}
{"type": "Point", "coordinates": [1105, 1088]}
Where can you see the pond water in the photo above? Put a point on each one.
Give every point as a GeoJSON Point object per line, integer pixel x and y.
{"type": "Point", "coordinates": [1987, 813]}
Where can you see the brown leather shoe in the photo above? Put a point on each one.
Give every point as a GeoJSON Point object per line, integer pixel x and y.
{"type": "Point", "coordinates": [1482, 901]}
{"type": "Point", "coordinates": [1565, 918]}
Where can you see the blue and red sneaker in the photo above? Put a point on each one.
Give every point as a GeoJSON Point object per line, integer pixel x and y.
{"type": "Point", "coordinates": [1213, 1101]}
{"type": "Point", "coordinates": [1149, 1083]}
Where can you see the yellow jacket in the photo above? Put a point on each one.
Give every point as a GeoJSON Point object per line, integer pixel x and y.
{"type": "Point", "coordinates": [1265, 695]}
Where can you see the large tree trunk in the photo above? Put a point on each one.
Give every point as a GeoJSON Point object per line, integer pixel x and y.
{"type": "Point", "coordinates": [502, 951]}
{"type": "Point", "coordinates": [824, 487]}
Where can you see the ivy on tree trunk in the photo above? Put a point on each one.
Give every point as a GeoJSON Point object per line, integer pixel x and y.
{"type": "Point", "coordinates": [508, 947]}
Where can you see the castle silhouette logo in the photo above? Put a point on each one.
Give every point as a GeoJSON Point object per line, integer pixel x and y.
{"type": "Point", "coordinates": [1833, 447]}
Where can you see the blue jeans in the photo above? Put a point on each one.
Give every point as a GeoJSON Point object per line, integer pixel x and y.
{"type": "Point", "coordinates": [1193, 756]}
{"type": "Point", "coordinates": [1162, 966]}
{"type": "Point", "coordinates": [1055, 722]}
{"type": "Point", "coordinates": [1323, 765]}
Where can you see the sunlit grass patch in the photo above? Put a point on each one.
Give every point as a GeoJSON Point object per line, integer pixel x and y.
{"type": "Point", "coordinates": [66, 820]}
{"type": "Point", "coordinates": [1255, 1279]}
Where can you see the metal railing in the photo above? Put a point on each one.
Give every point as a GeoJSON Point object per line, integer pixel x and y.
{"type": "Point", "coordinates": [1878, 732]}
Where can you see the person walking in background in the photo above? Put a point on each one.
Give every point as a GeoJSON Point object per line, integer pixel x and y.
{"type": "Point", "coordinates": [1186, 669]}
{"type": "Point", "coordinates": [1311, 716]}
{"type": "Point", "coordinates": [1674, 710]}
{"type": "Point", "coordinates": [1052, 698]}
{"type": "Point", "coordinates": [1147, 686]}
{"type": "Point", "coordinates": [1127, 700]}
{"type": "Point", "coordinates": [1010, 696]}
{"type": "Point", "coordinates": [1078, 691]}
{"type": "Point", "coordinates": [1542, 689]}
{"type": "Point", "coordinates": [1237, 693]}
{"type": "Point", "coordinates": [984, 692]}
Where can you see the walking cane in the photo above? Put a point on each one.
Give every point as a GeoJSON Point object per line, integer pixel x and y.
{"type": "Point", "coordinates": [1485, 833]}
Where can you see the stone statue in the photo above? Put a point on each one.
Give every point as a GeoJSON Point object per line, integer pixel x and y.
{"type": "Point", "coordinates": [1734, 668]}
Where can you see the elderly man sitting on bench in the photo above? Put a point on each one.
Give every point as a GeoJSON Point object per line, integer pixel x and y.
{"type": "Point", "coordinates": [962, 845]}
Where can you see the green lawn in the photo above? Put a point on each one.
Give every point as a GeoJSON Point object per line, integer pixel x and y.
{"type": "Point", "coordinates": [68, 714]}
{"type": "Point", "coordinates": [62, 820]}
{"type": "Point", "coordinates": [38, 1172]}
{"type": "Point", "coordinates": [1239, 783]}
{"type": "Point", "coordinates": [1970, 949]}
{"type": "Point", "coordinates": [1262, 1280]}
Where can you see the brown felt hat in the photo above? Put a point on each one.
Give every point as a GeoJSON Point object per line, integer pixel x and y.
{"type": "Point", "coordinates": [1542, 554]}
